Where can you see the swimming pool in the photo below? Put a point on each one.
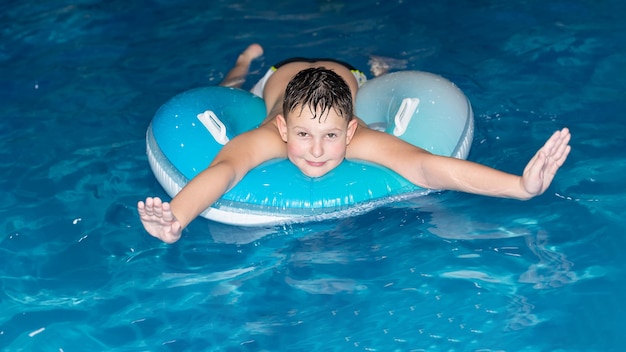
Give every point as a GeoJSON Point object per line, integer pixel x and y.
{"type": "Point", "coordinates": [80, 82]}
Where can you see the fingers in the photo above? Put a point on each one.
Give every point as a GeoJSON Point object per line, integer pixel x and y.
{"type": "Point", "coordinates": [559, 150]}
{"type": "Point", "coordinates": [167, 213]}
{"type": "Point", "coordinates": [564, 155]}
{"type": "Point", "coordinates": [557, 140]}
{"type": "Point", "coordinates": [552, 143]}
{"type": "Point", "coordinates": [157, 207]}
{"type": "Point", "coordinates": [159, 220]}
{"type": "Point", "coordinates": [557, 147]}
{"type": "Point", "coordinates": [151, 207]}
{"type": "Point", "coordinates": [563, 148]}
{"type": "Point", "coordinates": [544, 165]}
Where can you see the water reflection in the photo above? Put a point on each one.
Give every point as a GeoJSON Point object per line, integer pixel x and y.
{"type": "Point", "coordinates": [494, 247]}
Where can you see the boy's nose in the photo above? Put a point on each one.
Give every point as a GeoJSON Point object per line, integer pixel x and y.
{"type": "Point", "coordinates": [316, 149]}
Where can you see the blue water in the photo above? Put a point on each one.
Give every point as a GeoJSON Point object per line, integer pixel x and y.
{"type": "Point", "coordinates": [80, 81]}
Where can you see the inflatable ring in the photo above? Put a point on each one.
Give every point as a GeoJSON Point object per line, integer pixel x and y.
{"type": "Point", "coordinates": [189, 130]}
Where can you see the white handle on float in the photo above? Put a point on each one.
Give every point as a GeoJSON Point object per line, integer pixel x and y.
{"type": "Point", "coordinates": [214, 126]}
{"type": "Point", "coordinates": [404, 115]}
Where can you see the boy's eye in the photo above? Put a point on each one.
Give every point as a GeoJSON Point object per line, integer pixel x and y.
{"type": "Point", "coordinates": [331, 135]}
{"type": "Point", "coordinates": [302, 134]}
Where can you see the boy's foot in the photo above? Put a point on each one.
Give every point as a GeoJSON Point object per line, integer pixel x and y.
{"type": "Point", "coordinates": [380, 65]}
{"type": "Point", "coordinates": [252, 52]}
{"type": "Point", "coordinates": [237, 75]}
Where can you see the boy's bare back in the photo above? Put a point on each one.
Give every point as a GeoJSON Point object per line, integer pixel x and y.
{"type": "Point", "coordinates": [274, 91]}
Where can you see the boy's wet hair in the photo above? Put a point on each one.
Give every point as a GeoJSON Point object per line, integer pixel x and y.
{"type": "Point", "coordinates": [319, 89]}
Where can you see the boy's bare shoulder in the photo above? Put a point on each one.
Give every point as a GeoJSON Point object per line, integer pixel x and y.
{"type": "Point", "coordinates": [266, 140]}
{"type": "Point", "coordinates": [377, 146]}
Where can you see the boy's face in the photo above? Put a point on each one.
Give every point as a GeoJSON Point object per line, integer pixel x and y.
{"type": "Point", "coordinates": [315, 147]}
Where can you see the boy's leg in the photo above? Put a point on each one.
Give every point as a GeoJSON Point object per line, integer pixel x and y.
{"type": "Point", "coordinates": [237, 75]}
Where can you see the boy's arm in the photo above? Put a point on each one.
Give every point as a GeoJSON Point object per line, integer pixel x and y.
{"type": "Point", "coordinates": [436, 172]}
{"type": "Point", "coordinates": [166, 220]}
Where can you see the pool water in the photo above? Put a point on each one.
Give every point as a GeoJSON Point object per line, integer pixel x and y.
{"type": "Point", "coordinates": [80, 82]}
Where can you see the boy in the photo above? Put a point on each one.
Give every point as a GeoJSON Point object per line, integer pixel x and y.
{"type": "Point", "coordinates": [310, 121]}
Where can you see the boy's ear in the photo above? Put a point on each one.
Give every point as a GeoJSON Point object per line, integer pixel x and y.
{"type": "Point", "coordinates": [352, 125]}
{"type": "Point", "coordinates": [281, 123]}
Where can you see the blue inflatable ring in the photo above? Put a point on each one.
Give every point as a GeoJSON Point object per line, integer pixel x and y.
{"type": "Point", "coordinates": [189, 130]}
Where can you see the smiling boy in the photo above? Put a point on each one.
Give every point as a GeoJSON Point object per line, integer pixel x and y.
{"type": "Point", "coordinates": [310, 120]}
{"type": "Point", "coordinates": [317, 126]}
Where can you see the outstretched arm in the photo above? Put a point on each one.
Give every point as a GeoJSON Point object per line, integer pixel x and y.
{"type": "Point", "coordinates": [437, 172]}
{"type": "Point", "coordinates": [466, 176]}
{"type": "Point", "coordinates": [166, 221]}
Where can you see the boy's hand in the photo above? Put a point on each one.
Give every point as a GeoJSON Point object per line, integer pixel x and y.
{"type": "Point", "coordinates": [157, 218]}
{"type": "Point", "coordinates": [541, 169]}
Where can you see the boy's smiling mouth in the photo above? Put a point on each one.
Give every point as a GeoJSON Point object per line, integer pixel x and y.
{"type": "Point", "coordinates": [316, 163]}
